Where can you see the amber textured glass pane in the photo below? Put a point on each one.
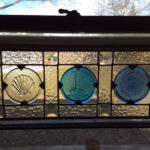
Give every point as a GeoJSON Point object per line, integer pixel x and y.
{"type": "Point", "coordinates": [104, 84]}
{"type": "Point", "coordinates": [50, 58]}
{"type": "Point", "coordinates": [24, 111]}
{"type": "Point", "coordinates": [22, 57]}
{"type": "Point", "coordinates": [77, 110]}
{"type": "Point", "coordinates": [51, 110]}
{"type": "Point", "coordinates": [78, 57]}
{"type": "Point", "coordinates": [105, 58]}
{"type": "Point", "coordinates": [51, 84]}
{"type": "Point", "coordinates": [104, 110]}
{"type": "Point", "coordinates": [130, 110]}
{"type": "Point", "coordinates": [132, 57]}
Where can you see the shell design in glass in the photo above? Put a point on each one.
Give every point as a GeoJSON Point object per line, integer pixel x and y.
{"type": "Point", "coordinates": [23, 85]}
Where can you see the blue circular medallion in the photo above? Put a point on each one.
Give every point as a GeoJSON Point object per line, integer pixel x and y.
{"type": "Point", "coordinates": [131, 85]}
{"type": "Point", "coordinates": [78, 85]}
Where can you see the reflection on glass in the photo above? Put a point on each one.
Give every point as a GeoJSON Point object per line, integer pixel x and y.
{"type": "Point", "coordinates": [130, 110]}
{"type": "Point", "coordinates": [21, 57]}
{"type": "Point", "coordinates": [78, 57]}
{"type": "Point", "coordinates": [105, 58]}
{"type": "Point", "coordinates": [50, 58]}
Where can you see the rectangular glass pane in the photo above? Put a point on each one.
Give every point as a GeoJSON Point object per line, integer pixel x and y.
{"type": "Point", "coordinates": [24, 111]}
{"type": "Point", "coordinates": [130, 110]}
{"type": "Point", "coordinates": [77, 110]}
{"type": "Point", "coordinates": [51, 84]}
{"type": "Point", "coordinates": [22, 57]}
{"type": "Point", "coordinates": [78, 57]}
{"type": "Point", "coordinates": [132, 57]}
{"type": "Point", "coordinates": [104, 84]}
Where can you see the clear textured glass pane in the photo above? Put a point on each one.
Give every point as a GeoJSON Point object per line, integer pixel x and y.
{"type": "Point", "coordinates": [77, 110]}
{"type": "Point", "coordinates": [50, 58]}
{"type": "Point", "coordinates": [63, 69]}
{"type": "Point", "coordinates": [130, 110]}
{"type": "Point", "coordinates": [51, 84]}
{"type": "Point", "coordinates": [104, 84]}
{"type": "Point", "coordinates": [51, 110]}
{"type": "Point", "coordinates": [22, 57]}
{"type": "Point", "coordinates": [24, 111]}
{"type": "Point", "coordinates": [132, 57]}
{"type": "Point", "coordinates": [1, 112]}
{"type": "Point", "coordinates": [23, 85]}
{"type": "Point", "coordinates": [105, 58]}
{"type": "Point", "coordinates": [104, 110]}
{"type": "Point", "coordinates": [78, 57]}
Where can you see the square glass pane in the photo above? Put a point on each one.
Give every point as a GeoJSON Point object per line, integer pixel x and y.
{"type": "Point", "coordinates": [22, 57]}
{"type": "Point", "coordinates": [130, 110]}
{"type": "Point", "coordinates": [132, 57]}
{"type": "Point", "coordinates": [63, 69]}
{"type": "Point", "coordinates": [104, 110]}
{"type": "Point", "coordinates": [105, 84]}
{"type": "Point", "coordinates": [78, 57]}
{"type": "Point", "coordinates": [23, 85]}
{"type": "Point", "coordinates": [117, 69]}
{"type": "Point", "coordinates": [24, 111]}
{"type": "Point", "coordinates": [105, 58]}
{"type": "Point", "coordinates": [51, 84]}
{"type": "Point", "coordinates": [50, 58]}
{"type": "Point", "coordinates": [51, 110]}
{"type": "Point", "coordinates": [78, 110]}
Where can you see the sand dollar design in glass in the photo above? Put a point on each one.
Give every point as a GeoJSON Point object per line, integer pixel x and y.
{"type": "Point", "coordinates": [78, 85]}
{"type": "Point", "coordinates": [131, 85]}
{"type": "Point", "coordinates": [23, 85]}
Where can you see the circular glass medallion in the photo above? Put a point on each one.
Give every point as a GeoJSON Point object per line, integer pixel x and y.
{"type": "Point", "coordinates": [23, 85]}
{"type": "Point", "coordinates": [78, 84]}
{"type": "Point", "coordinates": [131, 85]}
